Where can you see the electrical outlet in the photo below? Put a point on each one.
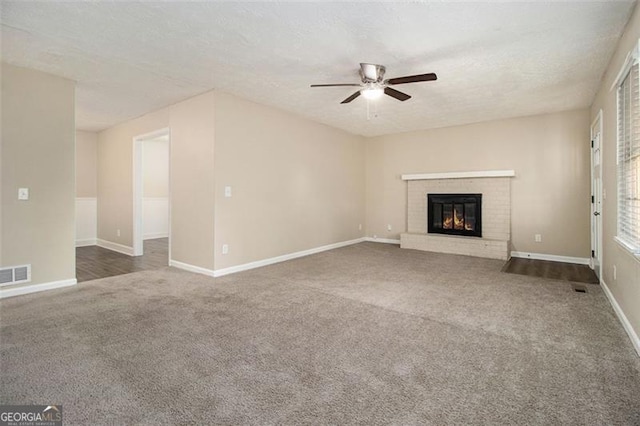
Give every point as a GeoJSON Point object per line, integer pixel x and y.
{"type": "Point", "coordinates": [225, 249]}
{"type": "Point", "coordinates": [227, 191]}
{"type": "Point", "coordinates": [538, 238]}
{"type": "Point", "coordinates": [389, 227]}
{"type": "Point", "coordinates": [360, 227]}
{"type": "Point", "coordinates": [118, 233]}
{"type": "Point", "coordinates": [615, 273]}
{"type": "Point", "coordinates": [23, 194]}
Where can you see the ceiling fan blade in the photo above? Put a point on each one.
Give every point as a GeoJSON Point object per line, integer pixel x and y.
{"type": "Point", "coordinates": [335, 85]}
{"type": "Point", "coordinates": [396, 94]}
{"type": "Point", "coordinates": [350, 98]}
{"type": "Point", "coordinates": [412, 79]}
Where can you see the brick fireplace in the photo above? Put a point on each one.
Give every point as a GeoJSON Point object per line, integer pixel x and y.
{"type": "Point", "coordinates": [493, 188]}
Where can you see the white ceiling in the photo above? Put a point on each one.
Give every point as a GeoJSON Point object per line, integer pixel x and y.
{"type": "Point", "coordinates": [493, 60]}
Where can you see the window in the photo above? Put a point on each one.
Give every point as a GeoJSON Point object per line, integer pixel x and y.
{"type": "Point", "coordinates": [629, 159]}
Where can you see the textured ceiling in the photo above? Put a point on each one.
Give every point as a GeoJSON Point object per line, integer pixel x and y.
{"type": "Point", "coordinates": [493, 60]}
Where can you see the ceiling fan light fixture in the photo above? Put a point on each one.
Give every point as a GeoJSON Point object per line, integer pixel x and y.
{"type": "Point", "coordinates": [372, 93]}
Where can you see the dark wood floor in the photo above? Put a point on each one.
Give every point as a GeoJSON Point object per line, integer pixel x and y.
{"type": "Point", "coordinates": [95, 262]}
{"type": "Point", "coordinates": [553, 270]}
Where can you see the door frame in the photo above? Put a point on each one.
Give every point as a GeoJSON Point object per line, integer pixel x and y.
{"type": "Point", "coordinates": [138, 227]}
{"type": "Point", "coordinates": [596, 220]}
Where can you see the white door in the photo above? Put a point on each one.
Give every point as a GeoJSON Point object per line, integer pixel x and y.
{"type": "Point", "coordinates": [596, 194]}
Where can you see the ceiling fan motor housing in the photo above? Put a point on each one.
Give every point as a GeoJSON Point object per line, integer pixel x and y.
{"type": "Point", "coordinates": [372, 73]}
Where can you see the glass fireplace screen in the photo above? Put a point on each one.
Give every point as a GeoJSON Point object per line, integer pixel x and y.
{"type": "Point", "coordinates": [455, 214]}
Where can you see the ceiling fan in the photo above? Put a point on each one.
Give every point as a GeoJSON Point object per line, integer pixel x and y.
{"type": "Point", "coordinates": [373, 84]}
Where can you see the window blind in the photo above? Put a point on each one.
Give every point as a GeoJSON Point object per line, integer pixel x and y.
{"type": "Point", "coordinates": [629, 159]}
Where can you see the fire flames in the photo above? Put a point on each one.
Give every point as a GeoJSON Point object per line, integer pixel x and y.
{"type": "Point", "coordinates": [446, 224]}
{"type": "Point", "coordinates": [457, 220]}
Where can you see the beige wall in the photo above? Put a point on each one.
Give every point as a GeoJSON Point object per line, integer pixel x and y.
{"type": "Point", "coordinates": [550, 193]}
{"type": "Point", "coordinates": [296, 184]}
{"type": "Point", "coordinates": [626, 287]}
{"type": "Point", "coordinates": [192, 181]}
{"type": "Point", "coordinates": [86, 164]}
{"type": "Point", "coordinates": [155, 167]}
{"type": "Point", "coordinates": [115, 175]}
{"type": "Point", "coordinates": [38, 152]}
{"type": "Point", "coordinates": [191, 127]}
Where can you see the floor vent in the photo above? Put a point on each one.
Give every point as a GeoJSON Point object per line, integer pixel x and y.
{"type": "Point", "coordinates": [579, 289]}
{"type": "Point", "coordinates": [15, 275]}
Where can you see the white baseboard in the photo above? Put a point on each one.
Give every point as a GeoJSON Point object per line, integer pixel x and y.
{"type": "Point", "coordinates": [11, 292]}
{"type": "Point", "coordinates": [283, 258]}
{"type": "Point", "coordinates": [191, 268]}
{"type": "Point", "coordinates": [551, 257]}
{"type": "Point", "coordinates": [115, 247]}
{"type": "Point", "coordinates": [259, 263]}
{"type": "Point", "coordinates": [635, 340]}
{"type": "Point", "coordinates": [155, 235]}
{"type": "Point", "coordinates": [86, 242]}
{"type": "Point", "coordinates": [381, 240]}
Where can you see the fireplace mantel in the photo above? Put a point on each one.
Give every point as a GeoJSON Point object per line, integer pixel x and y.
{"type": "Point", "coordinates": [460, 175]}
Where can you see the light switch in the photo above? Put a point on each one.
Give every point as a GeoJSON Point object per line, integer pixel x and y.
{"type": "Point", "coordinates": [227, 191]}
{"type": "Point", "coordinates": [23, 194]}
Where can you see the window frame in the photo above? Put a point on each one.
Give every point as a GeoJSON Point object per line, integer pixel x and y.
{"type": "Point", "coordinates": [632, 61]}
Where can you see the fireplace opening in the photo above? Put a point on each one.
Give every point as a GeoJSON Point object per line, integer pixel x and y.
{"type": "Point", "coordinates": [455, 214]}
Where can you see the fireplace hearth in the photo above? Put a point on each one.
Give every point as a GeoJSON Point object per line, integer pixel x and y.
{"type": "Point", "coordinates": [455, 214]}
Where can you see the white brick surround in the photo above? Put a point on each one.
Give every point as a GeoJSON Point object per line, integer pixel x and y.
{"type": "Point", "coordinates": [496, 217]}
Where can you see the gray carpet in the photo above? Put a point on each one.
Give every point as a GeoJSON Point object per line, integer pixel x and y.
{"type": "Point", "coordinates": [367, 334]}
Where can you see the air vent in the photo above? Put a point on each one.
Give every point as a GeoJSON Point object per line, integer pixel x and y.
{"type": "Point", "coordinates": [15, 275]}
{"type": "Point", "coordinates": [578, 288]}
{"type": "Point", "coordinates": [6, 276]}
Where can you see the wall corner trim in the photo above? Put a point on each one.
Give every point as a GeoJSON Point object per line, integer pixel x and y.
{"type": "Point", "coordinates": [259, 263]}
{"type": "Point", "coordinates": [635, 340]}
{"type": "Point", "coordinates": [155, 235]}
{"type": "Point", "coordinates": [35, 288]}
{"type": "Point", "coordinates": [115, 247]}
{"type": "Point", "coordinates": [551, 257]}
{"type": "Point", "coordinates": [382, 240]}
{"type": "Point", "coordinates": [191, 268]}
{"type": "Point", "coordinates": [283, 258]}
{"type": "Point", "coordinates": [86, 242]}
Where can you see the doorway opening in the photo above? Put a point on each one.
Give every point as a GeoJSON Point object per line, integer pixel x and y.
{"type": "Point", "coordinates": [151, 193]}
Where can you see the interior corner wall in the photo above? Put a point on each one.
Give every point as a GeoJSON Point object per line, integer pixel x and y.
{"type": "Point", "coordinates": [38, 152]}
{"type": "Point", "coordinates": [155, 188]}
{"type": "Point", "coordinates": [625, 287]}
{"type": "Point", "coordinates": [192, 180]}
{"type": "Point", "coordinates": [295, 184]}
{"type": "Point", "coordinates": [550, 192]}
{"type": "Point", "coordinates": [115, 175]}
{"type": "Point", "coordinates": [86, 164]}
{"type": "Point", "coordinates": [86, 188]}
{"type": "Point", "coordinates": [155, 168]}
